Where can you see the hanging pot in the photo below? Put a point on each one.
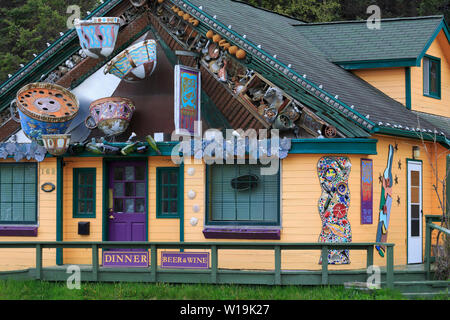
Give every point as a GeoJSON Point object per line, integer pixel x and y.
{"type": "Point", "coordinates": [44, 108]}
{"type": "Point", "coordinates": [135, 63]}
{"type": "Point", "coordinates": [98, 36]}
{"type": "Point", "coordinates": [56, 144]}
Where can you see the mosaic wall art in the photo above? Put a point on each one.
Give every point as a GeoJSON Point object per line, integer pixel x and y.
{"type": "Point", "coordinates": [385, 202]}
{"type": "Point", "coordinates": [333, 205]}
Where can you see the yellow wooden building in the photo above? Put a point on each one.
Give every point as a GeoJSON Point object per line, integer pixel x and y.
{"type": "Point", "coordinates": [363, 117]}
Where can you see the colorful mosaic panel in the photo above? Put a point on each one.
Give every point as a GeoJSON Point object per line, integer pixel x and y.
{"type": "Point", "coordinates": [333, 205]}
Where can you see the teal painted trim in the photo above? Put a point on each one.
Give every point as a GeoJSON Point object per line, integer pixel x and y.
{"type": "Point", "coordinates": [441, 26]}
{"type": "Point", "coordinates": [371, 64]}
{"type": "Point", "coordinates": [282, 69]}
{"type": "Point", "coordinates": [412, 134]}
{"type": "Point", "coordinates": [105, 199]}
{"type": "Point", "coordinates": [435, 95]}
{"type": "Point", "coordinates": [159, 198]}
{"type": "Point", "coordinates": [334, 146]}
{"type": "Point", "coordinates": [181, 200]}
{"type": "Point", "coordinates": [408, 88]}
{"type": "Point", "coordinates": [59, 208]}
{"type": "Point", "coordinates": [76, 173]}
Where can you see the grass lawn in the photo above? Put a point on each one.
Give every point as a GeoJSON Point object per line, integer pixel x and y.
{"type": "Point", "coordinates": [41, 290]}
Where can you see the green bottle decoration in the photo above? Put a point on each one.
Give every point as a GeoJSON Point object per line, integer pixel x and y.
{"type": "Point", "coordinates": [129, 148]}
{"type": "Point", "coordinates": [152, 144]}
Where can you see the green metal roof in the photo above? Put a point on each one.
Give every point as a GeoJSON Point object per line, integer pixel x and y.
{"type": "Point", "coordinates": [351, 44]}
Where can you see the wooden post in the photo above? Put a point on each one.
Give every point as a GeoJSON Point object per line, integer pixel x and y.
{"type": "Point", "coordinates": [95, 262]}
{"type": "Point", "coordinates": [153, 262]}
{"type": "Point", "coordinates": [369, 256]}
{"type": "Point", "coordinates": [324, 265]}
{"type": "Point", "coordinates": [427, 250]}
{"type": "Point", "coordinates": [38, 261]}
{"type": "Point", "coordinates": [214, 263]}
{"type": "Point", "coordinates": [277, 265]}
{"type": "Point", "coordinates": [390, 267]}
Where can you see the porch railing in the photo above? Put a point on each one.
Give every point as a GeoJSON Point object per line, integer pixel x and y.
{"type": "Point", "coordinates": [430, 226]}
{"type": "Point", "coordinates": [214, 271]}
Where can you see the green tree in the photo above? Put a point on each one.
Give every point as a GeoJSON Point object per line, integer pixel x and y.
{"type": "Point", "coordinates": [27, 25]}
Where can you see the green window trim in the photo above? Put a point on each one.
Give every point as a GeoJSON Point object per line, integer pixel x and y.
{"type": "Point", "coordinates": [11, 190]}
{"type": "Point", "coordinates": [77, 173]}
{"type": "Point", "coordinates": [210, 222]}
{"type": "Point", "coordinates": [170, 184]}
{"type": "Point", "coordinates": [428, 61]}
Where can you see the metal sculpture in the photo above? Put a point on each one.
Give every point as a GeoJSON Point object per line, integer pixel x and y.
{"type": "Point", "coordinates": [44, 108]}
{"type": "Point", "coordinates": [98, 36]}
{"type": "Point", "coordinates": [385, 203]}
{"type": "Point", "coordinates": [135, 63]}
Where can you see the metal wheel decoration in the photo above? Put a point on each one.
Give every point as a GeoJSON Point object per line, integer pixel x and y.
{"type": "Point", "coordinates": [330, 132]}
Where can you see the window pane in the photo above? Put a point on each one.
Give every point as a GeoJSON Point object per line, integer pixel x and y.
{"type": "Point", "coordinates": [6, 192]}
{"type": "Point", "coordinates": [140, 189]}
{"type": "Point", "coordinates": [30, 192]}
{"type": "Point", "coordinates": [18, 174]}
{"type": "Point", "coordinates": [6, 212]}
{"type": "Point", "coordinates": [165, 206]}
{"type": "Point", "coordinates": [173, 206]}
{"type": "Point", "coordinates": [173, 193]}
{"type": "Point", "coordinates": [18, 190]}
{"type": "Point", "coordinates": [118, 189]}
{"type": "Point", "coordinates": [89, 206]}
{"type": "Point", "coordinates": [6, 174]}
{"type": "Point", "coordinates": [415, 178]}
{"type": "Point", "coordinates": [17, 214]}
{"type": "Point", "coordinates": [165, 192]}
{"type": "Point", "coordinates": [81, 206]}
{"type": "Point", "coordinates": [30, 174]}
{"type": "Point", "coordinates": [129, 205]}
{"type": "Point", "coordinates": [118, 205]}
{"type": "Point", "coordinates": [426, 75]}
{"type": "Point", "coordinates": [434, 68]}
{"type": "Point", "coordinates": [129, 189]}
{"type": "Point", "coordinates": [29, 211]}
{"type": "Point", "coordinates": [119, 173]}
{"type": "Point", "coordinates": [90, 178]}
{"type": "Point", "coordinates": [129, 173]}
{"type": "Point", "coordinates": [140, 173]}
{"type": "Point", "coordinates": [415, 194]}
{"type": "Point", "coordinates": [173, 178]}
{"type": "Point", "coordinates": [140, 205]}
{"type": "Point", "coordinates": [415, 228]}
{"type": "Point", "coordinates": [165, 177]}
{"type": "Point", "coordinates": [415, 211]}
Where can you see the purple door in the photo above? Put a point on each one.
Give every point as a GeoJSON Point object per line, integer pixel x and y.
{"type": "Point", "coordinates": [128, 189]}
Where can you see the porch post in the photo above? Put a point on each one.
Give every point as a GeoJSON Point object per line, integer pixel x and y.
{"type": "Point", "coordinates": [59, 208]}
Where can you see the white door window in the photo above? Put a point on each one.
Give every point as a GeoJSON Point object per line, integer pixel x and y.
{"type": "Point", "coordinates": [414, 212]}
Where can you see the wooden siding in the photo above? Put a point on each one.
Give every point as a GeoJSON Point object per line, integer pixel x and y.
{"type": "Point", "coordinates": [70, 224]}
{"type": "Point", "coordinates": [440, 48]}
{"type": "Point", "coordinates": [391, 81]}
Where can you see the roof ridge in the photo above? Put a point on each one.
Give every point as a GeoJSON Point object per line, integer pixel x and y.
{"type": "Point", "coordinates": [365, 21]}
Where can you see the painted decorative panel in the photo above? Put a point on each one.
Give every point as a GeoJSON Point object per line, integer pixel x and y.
{"type": "Point", "coordinates": [333, 205]}
{"type": "Point", "coordinates": [385, 202]}
{"type": "Point", "coordinates": [187, 98]}
{"type": "Point", "coordinates": [366, 191]}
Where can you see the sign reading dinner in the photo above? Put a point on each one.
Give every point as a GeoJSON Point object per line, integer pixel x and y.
{"type": "Point", "coordinates": [125, 259]}
{"type": "Point", "coordinates": [184, 260]}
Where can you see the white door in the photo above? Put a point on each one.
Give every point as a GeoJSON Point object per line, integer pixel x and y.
{"type": "Point", "coordinates": [414, 212]}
